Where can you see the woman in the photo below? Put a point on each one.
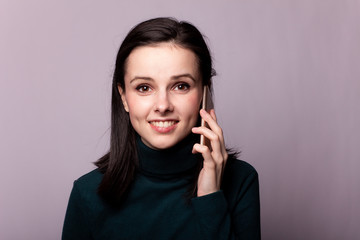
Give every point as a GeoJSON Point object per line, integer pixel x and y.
{"type": "Point", "coordinates": [157, 181]}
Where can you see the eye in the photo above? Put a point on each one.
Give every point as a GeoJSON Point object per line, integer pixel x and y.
{"type": "Point", "coordinates": [182, 87]}
{"type": "Point", "coordinates": [143, 88]}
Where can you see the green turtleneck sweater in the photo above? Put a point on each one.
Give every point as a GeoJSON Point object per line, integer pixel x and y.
{"type": "Point", "coordinates": [155, 207]}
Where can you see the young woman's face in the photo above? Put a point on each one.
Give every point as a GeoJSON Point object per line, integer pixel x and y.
{"type": "Point", "coordinates": [163, 91]}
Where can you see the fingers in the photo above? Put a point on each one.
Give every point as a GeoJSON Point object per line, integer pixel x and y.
{"type": "Point", "coordinates": [212, 114]}
{"type": "Point", "coordinates": [205, 152]}
{"type": "Point", "coordinates": [210, 119]}
{"type": "Point", "coordinates": [215, 143]}
{"type": "Point", "coordinates": [215, 155]}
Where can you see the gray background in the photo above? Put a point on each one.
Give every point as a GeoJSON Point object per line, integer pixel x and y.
{"type": "Point", "coordinates": [287, 95]}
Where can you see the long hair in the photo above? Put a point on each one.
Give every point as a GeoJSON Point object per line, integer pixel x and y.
{"type": "Point", "coordinates": [120, 163]}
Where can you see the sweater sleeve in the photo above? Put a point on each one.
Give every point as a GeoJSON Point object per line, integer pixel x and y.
{"type": "Point", "coordinates": [218, 219]}
{"type": "Point", "coordinates": [76, 224]}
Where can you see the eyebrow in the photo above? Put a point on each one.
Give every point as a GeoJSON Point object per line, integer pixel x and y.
{"type": "Point", "coordinates": [186, 75]}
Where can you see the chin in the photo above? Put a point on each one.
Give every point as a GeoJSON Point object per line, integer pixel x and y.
{"type": "Point", "coordinates": [163, 145]}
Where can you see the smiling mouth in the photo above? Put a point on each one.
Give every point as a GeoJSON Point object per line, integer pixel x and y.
{"type": "Point", "coordinates": [163, 127]}
{"type": "Point", "coordinates": [163, 124]}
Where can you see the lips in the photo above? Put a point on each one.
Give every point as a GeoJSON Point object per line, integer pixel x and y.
{"type": "Point", "coordinates": [163, 126]}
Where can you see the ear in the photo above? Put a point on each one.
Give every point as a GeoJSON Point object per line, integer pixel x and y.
{"type": "Point", "coordinates": [123, 99]}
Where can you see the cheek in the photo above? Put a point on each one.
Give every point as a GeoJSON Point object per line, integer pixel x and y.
{"type": "Point", "coordinates": [192, 105]}
{"type": "Point", "coordinates": [138, 107]}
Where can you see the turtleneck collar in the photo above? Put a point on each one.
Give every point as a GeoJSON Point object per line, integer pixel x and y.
{"type": "Point", "coordinates": [172, 161]}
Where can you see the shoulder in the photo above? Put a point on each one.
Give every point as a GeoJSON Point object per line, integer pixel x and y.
{"type": "Point", "coordinates": [239, 176]}
{"type": "Point", "coordinates": [89, 182]}
{"type": "Point", "coordinates": [239, 168]}
{"type": "Point", "coordinates": [84, 192]}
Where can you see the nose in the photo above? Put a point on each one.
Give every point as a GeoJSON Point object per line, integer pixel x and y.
{"type": "Point", "coordinates": [163, 103]}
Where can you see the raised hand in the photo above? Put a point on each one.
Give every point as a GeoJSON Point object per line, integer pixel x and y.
{"type": "Point", "coordinates": [214, 154]}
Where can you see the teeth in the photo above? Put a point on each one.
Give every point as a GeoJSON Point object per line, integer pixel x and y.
{"type": "Point", "coordinates": [163, 124]}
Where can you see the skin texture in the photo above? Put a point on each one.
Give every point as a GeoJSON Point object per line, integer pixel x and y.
{"type": "Point", "coordinates": [163, 91]}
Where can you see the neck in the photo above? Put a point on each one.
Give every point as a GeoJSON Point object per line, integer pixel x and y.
{"type": "Point", "coordinates": [173, 161]}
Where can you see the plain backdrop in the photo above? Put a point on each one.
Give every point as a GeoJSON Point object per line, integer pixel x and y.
{"type": "Point", "coordinates": [287, 95]}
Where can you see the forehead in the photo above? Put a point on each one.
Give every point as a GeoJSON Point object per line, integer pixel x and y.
{"type": "Point", "coordinates": [161, 60]}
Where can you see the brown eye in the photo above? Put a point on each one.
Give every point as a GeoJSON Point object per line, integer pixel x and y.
{"type": "Point", "coordinates": [182, 87]}
{"type": "Point", "coordinates": [143, 88]}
